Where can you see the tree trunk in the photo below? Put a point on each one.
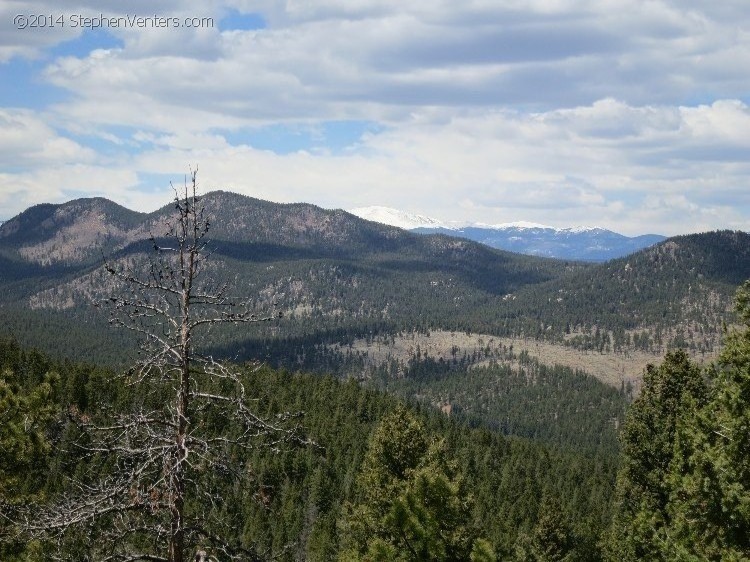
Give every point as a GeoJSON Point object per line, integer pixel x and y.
{"type": "Point", "coordinates": [177, 531]}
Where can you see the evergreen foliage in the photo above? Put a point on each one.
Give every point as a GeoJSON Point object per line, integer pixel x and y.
{"type": "Point", "coordinates": [683, 492]}
{"type": "Point", "coordinates": [26, 415]}
{"type": "Point", "coordinates": [551, 540]}
{"type": "Point", "coordinates": [648, 436]}
{"type": "Point", "coordinates": [710, 480]}
{"type": "Point", "coordinates": [289, 503]}
{"type": "Point", "coordinates": [411, 503]}
{"type": "Point", "coordinates": [553, 404]}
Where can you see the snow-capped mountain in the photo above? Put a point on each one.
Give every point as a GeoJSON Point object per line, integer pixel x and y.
{"type": "Point", "coordinates": [574, 243]}
{"type": "Point", "coordinates": [394, 217]}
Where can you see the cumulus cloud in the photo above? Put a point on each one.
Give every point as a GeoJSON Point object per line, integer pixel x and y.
{"type": "Point", "coordinates": [632, 114]}
{"type": "Point", "coordinates": [27, 140]}
{"type": "Point", "coordinates": [600, 164]}
{"type": "Point", "coordinates": [334, 60]}
{"type": "Point", "coordinates": [57, 183]}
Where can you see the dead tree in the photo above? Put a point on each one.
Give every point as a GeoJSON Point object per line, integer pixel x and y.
{"type": "Point", "coordinates": [157, 452]}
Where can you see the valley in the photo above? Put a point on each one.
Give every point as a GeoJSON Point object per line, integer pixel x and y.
{"type": "Point", "coordinates": [355, 295]}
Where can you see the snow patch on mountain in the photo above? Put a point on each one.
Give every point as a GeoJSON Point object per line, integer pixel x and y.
{"type": "Point", "coordinates": [591, 243]}
{"type": "Point", "coordinates": [519, 225]}
{"type": "Point", "coordinates": [583, 229]}
{"type": "Point", "coordinates": [401, 219]}
{"type": "Point", "coordinates": [411, 221]}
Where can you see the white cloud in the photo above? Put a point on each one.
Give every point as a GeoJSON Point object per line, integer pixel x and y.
{"type": "Point", "coordinates": [633, 168]}
{"type": "Point", "coordinates": [335, 60]}
{"type": "Point", "coordinates": [620, 112]}
{"type": "Point", "coordinates": [26, 140]}
{"type": "Point", "coordinates": [64, 182]}
{"type": "Point", "coordinates": [17, 41]}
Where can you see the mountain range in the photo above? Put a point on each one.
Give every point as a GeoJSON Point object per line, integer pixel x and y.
{"type": "Point", "coordinates": [482, 343]}
{"type": "Point", "coordinates": [341, 280]}
{"type": "Point", "coordinates": [593, 244]}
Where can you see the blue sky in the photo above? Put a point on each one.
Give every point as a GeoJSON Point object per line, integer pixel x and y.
{"type": "Point", "coordinates": [628, 114]}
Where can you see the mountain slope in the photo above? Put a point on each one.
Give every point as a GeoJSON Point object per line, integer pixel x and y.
{"type": "Point", "coordinates": [677, 292]}
{"type": "Point", "coordinates": [329, 269]}
{"type": "Point", "coordinates": [71, 233]}
{"type": "Point", "coordinates": [338, 278]}
{"type": "Point", "coordinates": [76, 233]}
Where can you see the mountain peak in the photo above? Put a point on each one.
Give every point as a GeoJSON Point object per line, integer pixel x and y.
{"type": "Point", "coordinates": [583, 229]}
{"type": "Point", "coordinates": [413, 221]}
{"type": "Point", "coordinates": [394, 217]}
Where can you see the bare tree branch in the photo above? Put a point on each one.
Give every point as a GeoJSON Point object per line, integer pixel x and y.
{"type": "Point", "coordinates": [144, 463]}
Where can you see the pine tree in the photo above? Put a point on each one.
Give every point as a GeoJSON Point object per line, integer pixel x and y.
{"type": "Point", "coordinates": [551, 540]}
{"type": "Point", "coordinates": [411, 504]}
{"type": "Point", "coordinates": [669, 394]}
{"type": "Point", "coordinates": [24, 446]}
{"type": "Point", "coordinates": [710, 502]}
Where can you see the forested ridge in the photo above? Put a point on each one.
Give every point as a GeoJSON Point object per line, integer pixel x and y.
{"type": "Point", "coordinates": [338, 278]}
{"type": "Point", "coordinates": [669, 295]}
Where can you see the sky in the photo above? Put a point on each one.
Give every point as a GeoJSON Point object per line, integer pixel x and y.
{"type": "Point", "coordinates": [627, 114]}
